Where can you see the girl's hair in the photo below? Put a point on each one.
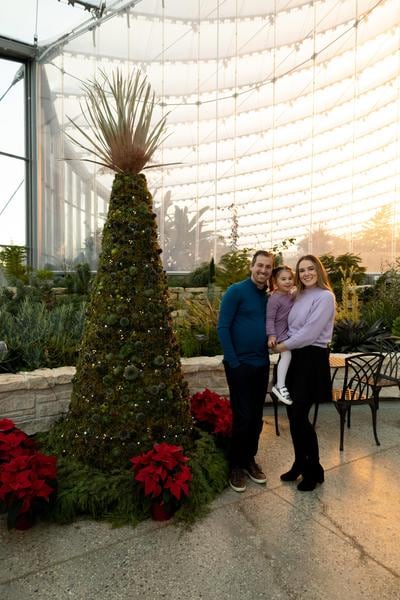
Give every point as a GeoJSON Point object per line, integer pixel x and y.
{"type": "Point", "coordinates": [322, 277]}
{"type": "Point", "coordinates": [275, 273]}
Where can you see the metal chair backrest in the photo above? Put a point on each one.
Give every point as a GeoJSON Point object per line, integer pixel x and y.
{"type": "Point", "coordinates": [361, 376]}
{"type": "Point", "coordinates": [391, 366]}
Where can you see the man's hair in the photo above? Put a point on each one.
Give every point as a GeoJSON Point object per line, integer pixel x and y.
{"type": "Point", "coordinates": [262, 253]}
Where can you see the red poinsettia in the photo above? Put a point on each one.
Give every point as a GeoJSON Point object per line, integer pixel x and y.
{"type": "Point", "coordinates": [27, 477]}
{"type": "Point", "coordinates": [212, 411]}
{"type": "Point", "coordinates": [163, 472]}
{"type": "Point", "coordinates": [13, 441]}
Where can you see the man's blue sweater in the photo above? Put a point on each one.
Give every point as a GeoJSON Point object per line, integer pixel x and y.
{"type": "Point", "coordinates": [241, 325]}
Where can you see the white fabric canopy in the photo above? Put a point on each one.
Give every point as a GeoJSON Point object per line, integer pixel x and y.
{"type": "Point", "coordinates": [283, 116]}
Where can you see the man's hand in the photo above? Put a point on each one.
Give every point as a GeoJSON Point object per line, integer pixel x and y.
{"type": "Point", "coordinates": [271, 341]}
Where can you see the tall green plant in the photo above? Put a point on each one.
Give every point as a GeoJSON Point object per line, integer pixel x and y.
{"type": "Point", "coordinates": [13, 262]}
{"type": "Point", "coordinates": [129, 390]}
{"type": "Point", "coordinates": [232, 267]}
{"type": "Point", "coordinates": [345, 267]}
{"type": "Point", "coordinates": [384, 302]}
{"type": "Point", "coordinates": [197, 331]}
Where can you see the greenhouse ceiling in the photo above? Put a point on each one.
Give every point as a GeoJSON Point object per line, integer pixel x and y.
{"type": "Point", "coordinates": [283, 119]}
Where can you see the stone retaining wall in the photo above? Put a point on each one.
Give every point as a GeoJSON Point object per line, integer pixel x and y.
{"type": "Point", "coordinates": [34, 400]}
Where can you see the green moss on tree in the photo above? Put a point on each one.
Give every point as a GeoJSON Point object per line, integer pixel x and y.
{"type": "Point", "coordinates": [128, 390]}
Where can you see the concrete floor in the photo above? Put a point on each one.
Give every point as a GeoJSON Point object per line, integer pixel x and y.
{"type": "Point", "coordinates": [272, 542]}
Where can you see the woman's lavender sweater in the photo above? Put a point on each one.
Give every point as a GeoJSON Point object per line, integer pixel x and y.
{"type": "Point", "coordinates": [311, 319]}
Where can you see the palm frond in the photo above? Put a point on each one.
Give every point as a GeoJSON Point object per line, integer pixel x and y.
{"type": "Point", "coordinates": [118, 113]}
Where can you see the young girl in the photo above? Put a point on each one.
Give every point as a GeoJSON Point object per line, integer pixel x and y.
{"type": "Point", "coordinates": [278, 308]}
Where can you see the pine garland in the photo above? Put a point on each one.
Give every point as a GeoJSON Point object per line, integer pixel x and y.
{"type": "Point", "coordinates": [84, 490]}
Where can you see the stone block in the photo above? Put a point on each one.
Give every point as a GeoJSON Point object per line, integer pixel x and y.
{"type": "Point", "coordinates": [31, 426]}
{"type": "Point", "coordinates": [10, 382]}
{"type": "Point", "coordinates": [63, 375]}
{"type": "Point", "coordinates": [36, 380]}
{"type": "Point", "coordinates": [63, 392]}
{"type": "Point", "coordinates": [49, 409]}
{"type": "Point", "coordinates": [14, 403]}
{"type": "Point", "coordinates": [195, 293]}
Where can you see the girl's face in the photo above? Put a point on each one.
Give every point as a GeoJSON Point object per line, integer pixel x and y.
{"type": "Point", "coordinates": [284, 281]}
{"type": "Point", "coordinates": [308, 274]}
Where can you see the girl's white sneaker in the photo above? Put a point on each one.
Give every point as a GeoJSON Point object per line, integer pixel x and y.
{"type": "Point", "coordinates": [282, 394]}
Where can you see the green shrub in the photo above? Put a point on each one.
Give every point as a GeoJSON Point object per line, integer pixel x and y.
{"type": "Point", "coordinates": [396, 327]}
{"type": "Point", "coordinates": [38, 336]}
{"type": "Point", "coordinates": [384, 302]}
{"type": "Point", "coordinates": [197, 331]}
{"type": "Point", "coordinates": [78, 281]}
{"type": "Point", "coordinates": [200, 277]}
{"type": "Point", "coordinates": [175, 280]}
{"type": "Point", "coordinates": [233, 266]}
{"type": "Point", "coordinates": [351, 336]}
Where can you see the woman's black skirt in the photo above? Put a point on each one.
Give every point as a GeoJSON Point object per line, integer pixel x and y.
{"type": "Point", "coordinates": [309, 376]}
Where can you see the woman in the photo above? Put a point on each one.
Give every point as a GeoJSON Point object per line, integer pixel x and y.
{"type": "Point", "coordinates": [308, 380]}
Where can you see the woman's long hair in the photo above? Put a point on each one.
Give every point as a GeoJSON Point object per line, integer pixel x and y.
{"type": "Point", "coordinates": [322, 276]}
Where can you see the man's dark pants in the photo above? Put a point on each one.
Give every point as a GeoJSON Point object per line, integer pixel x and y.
{"type": "Point", "coordinates": [247, 388]}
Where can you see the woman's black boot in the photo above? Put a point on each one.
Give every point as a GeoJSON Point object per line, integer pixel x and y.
{"type": "Point", "coordinates": [311, 478]}
{"type": "Point", "coordinates": [291, 475]}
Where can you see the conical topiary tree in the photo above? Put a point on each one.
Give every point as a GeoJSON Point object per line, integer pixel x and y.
{"type": "Point", "coordinates": [128, 390]}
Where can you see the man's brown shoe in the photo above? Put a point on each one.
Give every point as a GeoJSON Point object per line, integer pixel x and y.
{"type": "Point", "coordinates": [255, 473]}
{"type": "Point", "coordinates": [237, 480]}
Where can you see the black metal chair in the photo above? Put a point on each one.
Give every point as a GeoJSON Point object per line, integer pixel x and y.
{"type": "Point", "coordinates": [275, 402]}
{"type": "Point", "coordinates": [389, 375]}
{"type": "Point", "coordinates": [274, 399]}
{"type": "Point", "coordinates": [360, 386]}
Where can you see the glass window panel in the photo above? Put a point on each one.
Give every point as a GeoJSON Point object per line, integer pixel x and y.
{"type": "Point", "coordinates": [12, 202]}
{"type": "Point", "coordinates": [12, 107]}
{"type": "Point", "coordinates": [303, 146]}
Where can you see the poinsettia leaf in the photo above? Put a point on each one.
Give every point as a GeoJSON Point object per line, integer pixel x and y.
{"type": "Point", "coordinates": [6, 424]}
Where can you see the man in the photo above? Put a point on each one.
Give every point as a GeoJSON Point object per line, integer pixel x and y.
{"type": "Point", "coordinates": [242, 332]}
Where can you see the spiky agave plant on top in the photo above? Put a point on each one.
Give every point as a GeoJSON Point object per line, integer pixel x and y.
{"type": "Point", "coordinates": [128, 391]}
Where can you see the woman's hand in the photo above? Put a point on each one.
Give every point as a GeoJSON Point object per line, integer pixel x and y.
{"type": "Point", "coordinates": [271, 341]}
{"type": "Point", "coordinates": [280, 347]}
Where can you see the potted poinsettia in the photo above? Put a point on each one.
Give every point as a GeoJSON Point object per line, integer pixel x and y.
{"type": "Point", "coordinates": [212, 412]}
{"type": "Point", "coordinates": [164, 476]}
{"type": "Point", "coordinates": [27, 477]}
{"type": "Point", "coordinates": [13, 441]}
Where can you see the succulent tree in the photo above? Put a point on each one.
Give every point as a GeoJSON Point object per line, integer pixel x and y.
{"type": "Point", "coordinates": [128, 390]}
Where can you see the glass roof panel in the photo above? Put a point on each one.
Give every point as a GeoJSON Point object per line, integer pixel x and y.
{"type": "Point", "coordinates": [285, 110]}
{"type": "Point", "coordinates": [48, 19]}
